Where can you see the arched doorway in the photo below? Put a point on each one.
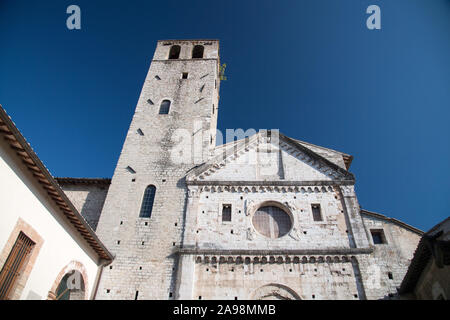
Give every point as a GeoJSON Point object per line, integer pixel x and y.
{"type": "Point", "coordinates": [71, 287]}
{"type": "Point", "coordinates": [275, 291]}
{"type": "Point", "coordinates": [70, 284]}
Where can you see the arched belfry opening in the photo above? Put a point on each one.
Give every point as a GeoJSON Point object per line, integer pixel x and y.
{"type": "Point", "coordinates": [174, 52]}
{"type": "Point", "coordinates": [197, 52]}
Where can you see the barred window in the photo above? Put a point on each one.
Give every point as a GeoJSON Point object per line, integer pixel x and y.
{"type": "Point", "coordinates": [197, 52]}
{"type": "Point", "coordinates": [15, 264]}
{"type": "Point", "coordinates": [226, 212]}
{"type": "Point", "coordinates": [174, 52]}
{"type": "Point", "coordinates": [165, 107]}
{"type": "Point", "coordinates": [317, 215]}
{"type": "Point", "coordinates": [147, 202]}
{"type": "Point", "coordinates": [272, 222]}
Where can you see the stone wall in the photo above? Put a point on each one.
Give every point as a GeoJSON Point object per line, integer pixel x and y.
{"type": "Point", "coordinates": [185, 250]}
{"type": "Point", "coordinates": [309, 280]}
{"type": "Point", "coordinates": [209, 231]}
{"type": "Point", "coordinates": [315, 260]}
{"type": "Point", "coordinates": [145, 265]}
{"type": "Point", "coordinates": [384, 269]}
{"type": "Point", "coordinates": [88, 197]}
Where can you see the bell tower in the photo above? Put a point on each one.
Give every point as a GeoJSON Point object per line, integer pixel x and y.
{"type": "Point", "coordinates": [173, 129]}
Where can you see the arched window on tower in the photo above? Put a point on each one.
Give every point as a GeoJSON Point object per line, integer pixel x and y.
{"type": "Point", "coordinates": [165, 107]}
{"type": "Point", "coordinates": [174, 52]}
{"type": "Point", "coordinates": [147, 202]}
{"type": "Point", "coordinates": [197, 52]}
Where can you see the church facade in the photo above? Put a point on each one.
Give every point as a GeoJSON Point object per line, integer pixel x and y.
{"type": "Point", "coordinates": [263, 217]}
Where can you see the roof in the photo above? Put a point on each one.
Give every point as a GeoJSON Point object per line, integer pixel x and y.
{"type": "Point", "coordinates": [424, 253]}
{"type": "Point", "coordinates": [393, 220]}
{"type": "Point", "coordinates": [224, 152]}
{"type": "Point", "coordinates": [347, 157]}
{"type": "Point", "coordinates": [67, 210]}
{"type": "Point", "coordinates": [100, 181]}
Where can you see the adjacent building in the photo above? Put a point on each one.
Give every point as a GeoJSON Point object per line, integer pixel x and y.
{"type": "Point", "coordinates": [47, 249]}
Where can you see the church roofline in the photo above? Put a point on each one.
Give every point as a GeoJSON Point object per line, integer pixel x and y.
{"type": "Point", "coordinates": [243, 143]}
{"type": "Point", "coordinates": [68, 212]}
{"type": "Point", "coordinates": [347, 157]}
{"type": "Point", "coordinates": [104, 181]}
{"type": "Point", "coordinates": [393, 220]}
{"type": "Point", "coordinates": [312, 153]}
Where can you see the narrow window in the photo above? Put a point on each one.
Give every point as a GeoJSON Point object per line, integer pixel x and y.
{"type": "Point", "coordinates": [131, 170]}
{"type": "Point", "coordinates": [185, 75]}
{"type": "Point", "coordinates": [317, 215]}
{"type": "Point", "coordinates": [137, 295]}
{"type": "Point", "coordinates": [378, 236]}
{"type": "Point", "coordinates": [226, 212]}
{"type": "Point", "coordinates": [174, 52]}
{"type": "Point", "coordinates": [165, 107]}
{"type": "Point", "coordinates": [147, 202]}
{"type": "Point", "coordinates": [15, 264]}
{"type": "Point", "coordinates": [197, 52]}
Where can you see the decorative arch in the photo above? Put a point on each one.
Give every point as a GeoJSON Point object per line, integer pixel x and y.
{"type": "Point", "coordinates": [69, 269]}
{"type": "Point", "coordinates": [274, 291]}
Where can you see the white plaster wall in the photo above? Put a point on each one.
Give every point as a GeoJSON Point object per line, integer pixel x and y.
{"type": "Point", "coordinates": [21, 198]}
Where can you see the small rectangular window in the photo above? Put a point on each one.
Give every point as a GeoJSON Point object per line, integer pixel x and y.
{"type": "Point", "coordinates": [185, 75]}
{"type": "Point", "coordinates": [226, 213]}
{"type": "Point", "coordinates": [317, 215]}
{"type": "Point", "coordinates": [378, 236]}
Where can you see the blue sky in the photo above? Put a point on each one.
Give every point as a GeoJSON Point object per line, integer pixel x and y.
{"type": "Point", "coordinates": [310, 68]}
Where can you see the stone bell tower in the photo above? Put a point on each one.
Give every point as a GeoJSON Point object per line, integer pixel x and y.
{"type": "Point", "coordinates": [173, 130]}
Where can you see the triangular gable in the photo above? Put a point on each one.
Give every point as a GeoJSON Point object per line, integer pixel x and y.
{"type": "Point", "coordinates": [261, 158]}
{"type": "Point", "coordinates": [339, 158]}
